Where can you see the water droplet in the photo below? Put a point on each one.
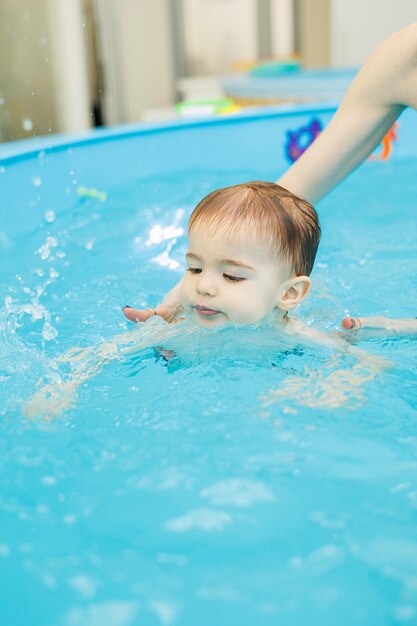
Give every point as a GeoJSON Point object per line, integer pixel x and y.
{"type": "Point", "coordinates": [44, 251]}
{"type": "Point", "coordinates": [49, 332]}
{"type": "Point", "coordinates": [37, 312]}
{"type": "Point", "coordinates": [27, 124]}
{"type": "Point", "coordinates": [36, 181]}
{"type": "Point", "coordinates": [49, 216]}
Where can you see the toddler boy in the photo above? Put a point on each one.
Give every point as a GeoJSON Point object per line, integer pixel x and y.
{"type": "Point", "coordinates": [250, 254]}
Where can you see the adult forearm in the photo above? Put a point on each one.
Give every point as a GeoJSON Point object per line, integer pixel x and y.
{"type": "Point", "coordinates": [386, 84]}
{"type": "Point", "coordinates": [338, 151]}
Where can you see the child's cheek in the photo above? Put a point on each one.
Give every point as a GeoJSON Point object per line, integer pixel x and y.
{"type": "Point", "coordinates": [240, 305]}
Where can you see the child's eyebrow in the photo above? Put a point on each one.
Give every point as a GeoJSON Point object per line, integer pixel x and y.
{"type": "Point", "coordinates": [237, 263]}
{"type": "Point", "coordinates": [190, 255]}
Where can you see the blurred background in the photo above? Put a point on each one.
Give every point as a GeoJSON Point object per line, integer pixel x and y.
{"type": "Point", "coordinates": [70, 65]}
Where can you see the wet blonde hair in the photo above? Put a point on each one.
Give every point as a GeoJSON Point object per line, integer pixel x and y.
{"type": "Point", "coordinates": [288, 226]}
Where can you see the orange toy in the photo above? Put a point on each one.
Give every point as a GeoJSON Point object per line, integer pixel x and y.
{"type": "Point", "coordinates": [386, 144]}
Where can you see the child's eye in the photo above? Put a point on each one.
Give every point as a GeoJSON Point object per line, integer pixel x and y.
{"type": "Point", "coordinates": [194, 270]}
{"type": "Point", "coordinates": [233, 279]}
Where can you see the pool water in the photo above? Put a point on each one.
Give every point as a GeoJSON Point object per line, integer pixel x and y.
{"type": "Point", "coordinates": [201, 490]}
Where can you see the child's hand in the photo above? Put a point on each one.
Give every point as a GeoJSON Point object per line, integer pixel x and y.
{"type": "Point", "coordinates": [356, 323]}
{"type": "Point", "coordinates": [169, 309]}
{"type": "Point", "coordinates": [168, 312]}
{"type": "Point", "coordinates": [400, 326]}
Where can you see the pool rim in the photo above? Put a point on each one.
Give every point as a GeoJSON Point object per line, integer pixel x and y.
{"type": "Point", "coordinates": [25, 149]}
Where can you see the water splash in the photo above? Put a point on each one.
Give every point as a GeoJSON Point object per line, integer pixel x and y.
{"type": "Point", "coordinates": [21, 364]}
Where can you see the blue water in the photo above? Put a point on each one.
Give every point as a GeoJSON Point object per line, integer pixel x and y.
{"type": "Point", "coordinates": [198, 490]}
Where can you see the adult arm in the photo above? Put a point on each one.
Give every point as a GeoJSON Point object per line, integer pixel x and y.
{"type": "Point", "coordinates": [382, 89]}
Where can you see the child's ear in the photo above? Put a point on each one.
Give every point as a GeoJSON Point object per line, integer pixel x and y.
{"type": "Point", "coordinates": [293, 291]}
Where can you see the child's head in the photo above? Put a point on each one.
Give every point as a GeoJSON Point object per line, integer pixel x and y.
{"type": "Point", "coordinates": [251, 250]}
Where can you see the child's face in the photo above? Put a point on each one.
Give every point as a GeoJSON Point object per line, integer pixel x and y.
{"type": "Point", "coordinates": [230, 281]}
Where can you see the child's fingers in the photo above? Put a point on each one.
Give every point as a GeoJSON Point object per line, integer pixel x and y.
{"type": "Point", "coordinates": [137, 315]}
{"type": "Point", "coordinates": [167, 311]}
{"type": "Point", "coordinates": [375, 322]}
{"type": "Point", "coordinates": [352, 323]}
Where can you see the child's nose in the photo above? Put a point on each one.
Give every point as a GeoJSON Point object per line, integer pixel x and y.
{"type": "Point", "coordinates": [206, 285]}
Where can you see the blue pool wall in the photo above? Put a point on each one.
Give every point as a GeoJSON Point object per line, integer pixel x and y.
{"type": "Point", "coordinates": [45, 174]}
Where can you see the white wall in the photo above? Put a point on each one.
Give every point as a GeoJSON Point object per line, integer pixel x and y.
{"type": "Point", "coordinates": [358, 26]}
{"type": "Point", "coordinates": [282, 27]}
{"type": "Point", "coordinates": [69, 64]}
{"type": "Point", "coordinates": [136, 50]}
{"type": "Point", "coordinates": [219, 33]}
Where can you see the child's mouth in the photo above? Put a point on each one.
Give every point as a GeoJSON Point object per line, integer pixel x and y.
{"type": "Point", "coordinates": [202, 310]}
